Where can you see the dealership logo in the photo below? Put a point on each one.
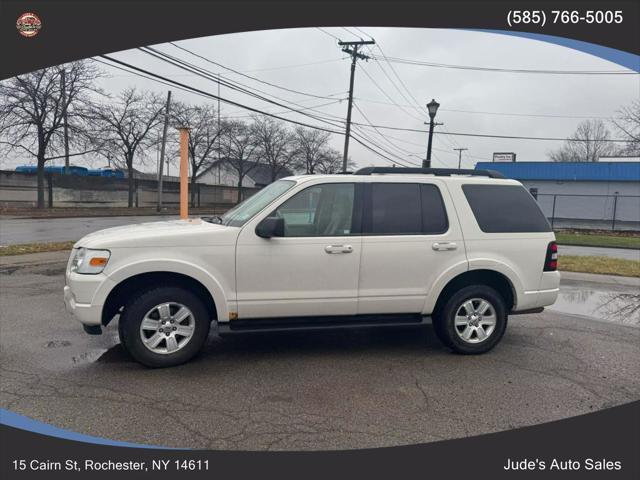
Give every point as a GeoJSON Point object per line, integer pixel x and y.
{"type": "Point", "coordinates": [28, 24]}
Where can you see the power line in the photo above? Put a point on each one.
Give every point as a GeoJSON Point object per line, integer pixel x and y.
{"type": "Point", "coordinates": [380, 133]}
{"type": "Point", "coordinates": [393, 83]}
{"type": "Point", "coordinates": [448, 152]}
{"type": "Point", "coordinates": [245, 75]}
{"type": "Point", "coordinates": [481, 112]}
{"type": "Point", "coordinates": [234, 114]}
{"type": "Point", "coordinates": [533, 115]}
{"type": "Point", "coordinates": [216, 97]}
{"type": "Point", "coordinates": [216, 79]}
{"type": "Point", "coordinates": [481, 135]}
{"type": "Point", "coordinates": [350, 32]}
{"type": "Point", "coordinates": [327, 33]}
{"type": "Point", "coordinates": [393, 70]}
{"type": "Point", "coordinates": [181, 86]}
{"type": "Point", "coordinates": [506, 70]}
{"type": "Point", "coordinates": [295, 65]}
{"type": "Point", "coordinates": [368, 147]}
{"type": "Point", "coordinates": [364, 33]}
{"type": "Point", "coordinates": [387, 95]}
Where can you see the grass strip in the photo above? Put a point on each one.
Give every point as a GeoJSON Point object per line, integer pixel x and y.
{"type": "Point", "coordinates": [601, 265]}
{"type": "Point", "coordinates": [24, 248]}
{"type": "Point", "coordinates": [598, 240]}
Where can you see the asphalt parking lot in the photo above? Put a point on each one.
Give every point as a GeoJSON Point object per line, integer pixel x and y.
{"type": "Point", "coordinates": [331, 390]}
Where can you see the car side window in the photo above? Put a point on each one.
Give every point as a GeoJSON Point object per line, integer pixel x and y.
{"type": "Point", "coordinates": [405, 209]}
{"type": "Point", "coordinates": [319, 211]}
{"type": "Point", "coordinates": [395, 209]}
{"type": "Point", "coordinates": [434, 215]}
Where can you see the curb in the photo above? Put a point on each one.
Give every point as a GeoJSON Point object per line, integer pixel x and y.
{"type": "Point", "coordinates": [32, 259]}
{"type": "Point", "coordinates": [598, 278]}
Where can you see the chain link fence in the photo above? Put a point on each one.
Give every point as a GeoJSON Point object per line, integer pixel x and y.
{"type": "Point", "coordinates": [602, 212]}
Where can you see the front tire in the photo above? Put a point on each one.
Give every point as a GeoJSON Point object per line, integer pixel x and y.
{"type": "Point", "coordinates": [164, 326]}
{"type": "Point", "coordinates": [472, 320]}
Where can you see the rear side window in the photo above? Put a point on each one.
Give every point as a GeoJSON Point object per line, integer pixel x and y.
{"type": "Point", "coordinates": [404, 209]}
{"type": "Point", "coordinates": [434, 216]}
{"type": "Point", "coordinates": [505, 209]}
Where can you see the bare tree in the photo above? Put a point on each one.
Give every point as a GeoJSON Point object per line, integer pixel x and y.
{"type": "Point", "coordinates": [239, 150]}
{"type": "Point", "coordinates": [589, 142]}
{"type": "Point", "coordinates": [33, 106]}
{"type": "Point", "coordinates": [274, 144]}
{"type": "Point", "coordinates": [124, 128]}
{"type": "Point", "coordinates": [628, 123]}
{"type": "Point", "coordinates": [310, 145]}
{"type": "Point", "coordinates": [204, 138]}
{"type": "Point", "coordinates": [330, 161]}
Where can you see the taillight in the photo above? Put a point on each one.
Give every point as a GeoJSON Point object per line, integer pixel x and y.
{"type": "Point", "coordinates": [551, 260]}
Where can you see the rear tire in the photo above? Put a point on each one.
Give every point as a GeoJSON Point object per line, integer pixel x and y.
{"type": "Point", "coordinates": [164, 326]}
{"type": "Point", "coordinates": [472, 320]}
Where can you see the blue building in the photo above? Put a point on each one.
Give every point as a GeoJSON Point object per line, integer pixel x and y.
{"type": "Point", "coordinates": [581, 194]}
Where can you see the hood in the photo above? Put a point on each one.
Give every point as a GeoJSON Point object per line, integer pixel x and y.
{"type": "Point", "coordinates": [168, 233]}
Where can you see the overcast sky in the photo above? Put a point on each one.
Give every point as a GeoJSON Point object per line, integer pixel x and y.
{"type": "Point", "coordinates": [279, 57]}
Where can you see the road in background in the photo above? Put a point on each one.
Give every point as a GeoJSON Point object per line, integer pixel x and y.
{"type": "Point", "coordinates": [306, 391]}
{"type": "Point", "coordinates": [36, 230]}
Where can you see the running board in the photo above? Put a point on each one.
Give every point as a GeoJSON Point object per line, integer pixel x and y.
{"type": "Point", "coordinates": [321, 323]}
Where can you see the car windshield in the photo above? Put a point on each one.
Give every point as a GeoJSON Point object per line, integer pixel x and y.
{"type": "Point", "coordinates": [244, 211]}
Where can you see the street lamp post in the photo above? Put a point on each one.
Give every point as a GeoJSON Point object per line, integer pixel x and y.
{"type": "Point", "coordinates": [432, 108]}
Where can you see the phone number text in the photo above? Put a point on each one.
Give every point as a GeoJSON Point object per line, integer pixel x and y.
{"type": "Point", "coordinates": [541, 17]}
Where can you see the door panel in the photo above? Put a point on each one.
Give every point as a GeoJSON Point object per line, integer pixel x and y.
{"type": "Point", "coordinates": [398, 270]}
{"type": "Point", "coordinates": [311, 271]}
{"type": "Point", "coordinates": [297, 277]}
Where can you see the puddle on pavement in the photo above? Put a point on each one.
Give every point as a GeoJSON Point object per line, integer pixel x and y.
{"type": "Point", "coordinates": [88, 357]}
{"type": "Point", "coordinates": [105, 349]}
{"type": "Point", "coordinates": [617, 307]}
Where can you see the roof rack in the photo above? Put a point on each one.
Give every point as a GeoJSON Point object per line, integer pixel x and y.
{"type": "Point", "coordinates": [439, 172]}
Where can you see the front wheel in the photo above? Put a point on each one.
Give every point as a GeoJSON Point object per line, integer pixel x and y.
{"type": "Point", "coordinates": [164, 326]}
{"type": "Point", "coordinates": [472, 320]}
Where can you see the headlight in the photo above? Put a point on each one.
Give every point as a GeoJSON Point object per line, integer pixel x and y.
{"type": "Point", "coordinates": [90, 262]}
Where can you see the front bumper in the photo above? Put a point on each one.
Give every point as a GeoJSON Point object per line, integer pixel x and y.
{"type": "Point", "coordinates": [85, 313]}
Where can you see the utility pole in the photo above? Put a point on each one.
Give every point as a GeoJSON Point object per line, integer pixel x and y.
{"type": "Point", "coordinates": [219, 144]}
{"type": "Point", "coordinates": [65, 125]}
{"type": "Point", "coordinates": [460, 150]}
{"type": "Point", "coordinates": [355, 55]}
{"type": "Point", "coordinates": [162, 149]}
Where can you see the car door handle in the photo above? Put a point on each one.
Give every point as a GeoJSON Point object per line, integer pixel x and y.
{"type": "Point", "coordinates": [443, 246]}
{"type": "Point", "coordinates": [338, 249]}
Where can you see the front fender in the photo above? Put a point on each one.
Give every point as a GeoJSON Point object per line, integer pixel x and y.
{"type": "Point", "coordinates": [188, 269]}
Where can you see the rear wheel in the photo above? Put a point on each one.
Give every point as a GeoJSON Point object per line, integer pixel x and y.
{"type": "Point", "coordinates": [472, 320]}
{"type": "Point", "coordinates": [164, 326]}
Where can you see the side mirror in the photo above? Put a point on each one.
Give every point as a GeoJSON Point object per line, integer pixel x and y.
{"type": "Point", "coordinates": [271, 227]}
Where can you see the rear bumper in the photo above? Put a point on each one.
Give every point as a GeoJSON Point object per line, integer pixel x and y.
{"type": "Point", "coordinates": [549, 288]}
{"type": "Point", "coordinates": [527, 312]}
{"type": "Point", "coordinates": [536, 299]}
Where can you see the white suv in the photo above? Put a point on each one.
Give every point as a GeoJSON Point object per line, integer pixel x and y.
{"type": "Point", "coordinates": [380, 247]}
